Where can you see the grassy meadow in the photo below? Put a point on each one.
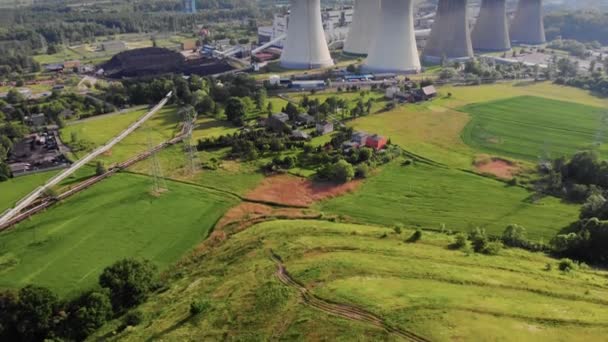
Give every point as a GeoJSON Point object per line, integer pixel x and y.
{"type": "Point", "coordinates": [429, 197]}
{"type": "Point", "coordinates": [14, 189]}
{"type": "Point", "coordinates": [417, 287]}
{"type": "Point", "coordinates": [533, 128]}
{"type": "Point", "coordinates": [66, 247]}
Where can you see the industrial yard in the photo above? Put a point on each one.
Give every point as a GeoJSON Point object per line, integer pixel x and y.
{"type": "Point", "coordinates": [304, 170]}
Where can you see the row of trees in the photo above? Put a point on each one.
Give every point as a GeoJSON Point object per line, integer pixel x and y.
{"type": "Point", "coordinates": [37, 314]}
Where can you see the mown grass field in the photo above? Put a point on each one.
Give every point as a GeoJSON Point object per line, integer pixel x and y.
{"type": "Point", "coordinates": [427, 197]}
{"type": "Point", "coordinates": [441, 294]}
{"type": "Point", "coordinates": [14, 189]}
{"type": "Point", "coordinates": [161, 127]}
{"type": "Point", "coordinates": [66, 247]}
{"type": "Point", "coordinates": [534, 128]}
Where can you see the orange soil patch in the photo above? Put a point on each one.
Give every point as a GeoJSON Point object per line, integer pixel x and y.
{"type": "Point", "coordinates": [498, 167]}
{"type": "Point", "coordinates": [297, 192]}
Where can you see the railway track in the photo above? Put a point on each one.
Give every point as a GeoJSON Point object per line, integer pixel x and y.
{"type": "Point", "coordinates": [341, 310]}
{"type": "Point", "coordinates": [44, 203]}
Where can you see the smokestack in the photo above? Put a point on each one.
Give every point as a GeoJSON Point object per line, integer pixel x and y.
{"type": "Point", "coordinates": [394, 45]}
{"type": "Point", "coordinates": [527, 26]}
{"type": "Point", "coordinates": [305, 46]}
{"type": "Point", "coordinates": [491, 32]}
{"type": "Point", "coordinates": [450, 35]}
{"type": "Point", "coordinates": [362, 29]}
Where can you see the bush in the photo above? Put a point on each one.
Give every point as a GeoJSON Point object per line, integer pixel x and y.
{"type": "Point", "coordinates": [133, 318]}
{"type": "Point", "coordinates": [566, 265]}
{"type": "Point", "coordinates": [199, 306]}
{"type": "Point", "coordinates": [515, 236]}
{"type": "Point", "coordinates": [416, 236]}
{"type": "Point", "coordinates": [493, 248]}
{"type": "Point", "coordinates": [129, 282]}
{"type": "Point", "coordinates": [460, 241]}
{"type": "Point", "coordinates": [398, 229]}
{"type": "Point", "coordinates": [362, 171]}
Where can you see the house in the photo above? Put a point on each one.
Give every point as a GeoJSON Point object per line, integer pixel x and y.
{"type": "Point", "coordinates": [299, 135]}
{"type": "Point", "coordinates": [37, 120]}
{"type": "Point", "coordinates": [360, 138]}
{"type": "Point", "coordinates": [390, 92]}
{"type": "Point", "coordinates": [376, 142]}
{"type": "Point", "coordinates": [426, 93]}
{"type": "Point", "coordinates": [305, 119]}
{"type": "Point", "coordinates": [53, 67]}
{"type": "Point", "coordinates": [278, 122]}
{"type": "Point", "coordinates": [325, 127]}
{"type": "Point", "coordinates": [188, 45]}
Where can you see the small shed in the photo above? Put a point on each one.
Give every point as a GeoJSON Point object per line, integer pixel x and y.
{"type": "Point", "coordinates": [325, 127]}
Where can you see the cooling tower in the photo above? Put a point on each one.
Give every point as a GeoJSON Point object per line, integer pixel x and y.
{"type": "Point", "coordinates": [450, 35]}
{"type": "Point", "coordinates": [527, 26]}
{"type": "Point", "coordinates": [393, 48]}
{"type": "Point", "coordinates": [305, 46]}
{"type": "Point", "coordinates": [362, 29]}
{"type": "Point", "coordinates": [491, 32]}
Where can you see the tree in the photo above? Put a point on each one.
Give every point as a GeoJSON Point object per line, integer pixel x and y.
{"type": "Point", "coordinates": [87, 313]}
{"type": "Point", "coordinates": [129, 282]}
{"type": "Point", "coordinates": [515, 236]}
{"type": "Point", "coordinates": [342, 171]}
{"type": "Point", "coordinates": [35, 311]}
{"type": "Point", "coordinates": [260, 98]}
{"type": "Point", "coordinates": [8, 316]}
{"type": "Point", "coordinates": [291, 110]}
{"type": "Point", "coordinates": [100, 169]}
{"type": "Point", "coordinates": [269, 109]}
{"type": "Point", "coordinates": [14, 97]}
{"type": "Point", "coordinates": [235, 110]}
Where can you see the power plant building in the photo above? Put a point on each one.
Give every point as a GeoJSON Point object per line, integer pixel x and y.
{"type": "Point", "coordinates": [394, 45]}
{"type": "Point", "coordinates": [305, 46]}
{"type": "Point", "coordinates": [362, 30]}
{"type": "Point", "coordinates": [491, 32]}
{"type": "Point", "coordinates": [527, 26]}
{"type": "Point", "coordinates": [450, 36]}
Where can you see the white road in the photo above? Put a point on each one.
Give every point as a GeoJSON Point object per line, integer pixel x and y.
{"type": "Point", "coordinates": [29, 199]}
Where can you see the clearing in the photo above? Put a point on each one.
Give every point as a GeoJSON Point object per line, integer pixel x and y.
{"type": "Point", "coordinates": [533, 128]}
{"type": "Point", "coordinates": [413, 287]}
{"type": "Point", "coordinates": [66, 248]}
{"type": "Point", "coordinates": [298, 192]}
{"type": "Point", "coordinates": [501, 168]}
{"type": "Point", "coordinates": [429, 197]}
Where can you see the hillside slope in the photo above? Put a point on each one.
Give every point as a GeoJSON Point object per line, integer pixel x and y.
{"type": "Point", "coordinates": [424, 288]}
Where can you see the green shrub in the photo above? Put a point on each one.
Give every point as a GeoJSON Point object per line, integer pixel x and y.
{"type": "Point", "coordinates": [567, 265]}
{"type": "Point", "coordinates": [133, 318]}
{"type": "Point", "coordinates": [493, 248]}
{"type": "Point", "coordinates": [199, 306]}
{"type": "Point", "coordinates": [398, 229]}
{"type": "Point", "coordinates": [416, 236]}
{"type": "Point", "coordinates": [460, 241]}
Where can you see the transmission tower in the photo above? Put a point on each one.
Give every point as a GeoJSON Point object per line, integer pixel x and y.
{"type": "Point", "coordinates": [191, 156]}
{"type": "Point", "coordinates": [159, 185]}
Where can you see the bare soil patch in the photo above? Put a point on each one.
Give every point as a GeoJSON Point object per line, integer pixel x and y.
{"type": "Point", "coordinates": [498, 167]}
{"type": "Point", "coordinates": [298, 192]}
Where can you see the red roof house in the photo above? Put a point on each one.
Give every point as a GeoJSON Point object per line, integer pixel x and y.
{"type": "Point", "coordinates": [376, 142]}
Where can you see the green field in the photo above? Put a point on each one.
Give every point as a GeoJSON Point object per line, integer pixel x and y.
{"type": "Point", "coordinates": [429, 196]}
{"type": "Point", "coordinates": [531, 128]}
{"type": "Point", "coordinates": [441, 294]}
{"type": "Point", "coordinates": [14, 189]}
{"type": "Point", "coordinates": [161, 127]}
{"type": "Point", "coordinates": [66, 248]}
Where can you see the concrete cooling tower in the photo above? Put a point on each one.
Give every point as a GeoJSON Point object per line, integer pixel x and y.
{"type": "Point", "coordinates": [491, 32]}
{"type": "Point", "coordinates": [527, 26]}
{"type": "Point", "coordinates": [450, 35]}
{"type": "Point", "coordinates": [393, 48]}
{"type": "Point", "coordinates": [305, 46]}
{"type": "Point", "coordinates": [363, 27]}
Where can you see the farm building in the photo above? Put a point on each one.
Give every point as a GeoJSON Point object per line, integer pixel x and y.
{"type": "Point", "coordinates": [299, 135]}
{"type": "Point", "coordinates": [325, 128]}
{"type": "Point", "coordinates": [278, 122]}
{"type": "Point", "coordinates": [305, 119]}
{"type": "Point", "coordinates": [376, 142]}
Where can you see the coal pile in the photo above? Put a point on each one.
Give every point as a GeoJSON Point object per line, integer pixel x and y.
{"type": "Point", "coordinates": [156, 61]}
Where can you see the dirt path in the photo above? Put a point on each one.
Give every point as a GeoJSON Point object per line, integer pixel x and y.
{"type": "Point", "coordinates": [341, 310]}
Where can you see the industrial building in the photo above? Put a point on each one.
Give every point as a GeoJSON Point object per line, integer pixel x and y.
{"type": "Point", "coordinates": [394, 45]}
{"type": "Point", "coordinates": [450, 36]}
{"type": "Point", "coordinates": [305, 46]}
{"type": "Point", "coordinates": [336, 22]}
{"type": "Point", "coordinates": [363, 27]}
{"type": "Point", "coordinates": [527, 26]}
{"type": "Point", "coordinates": [491, 32]}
